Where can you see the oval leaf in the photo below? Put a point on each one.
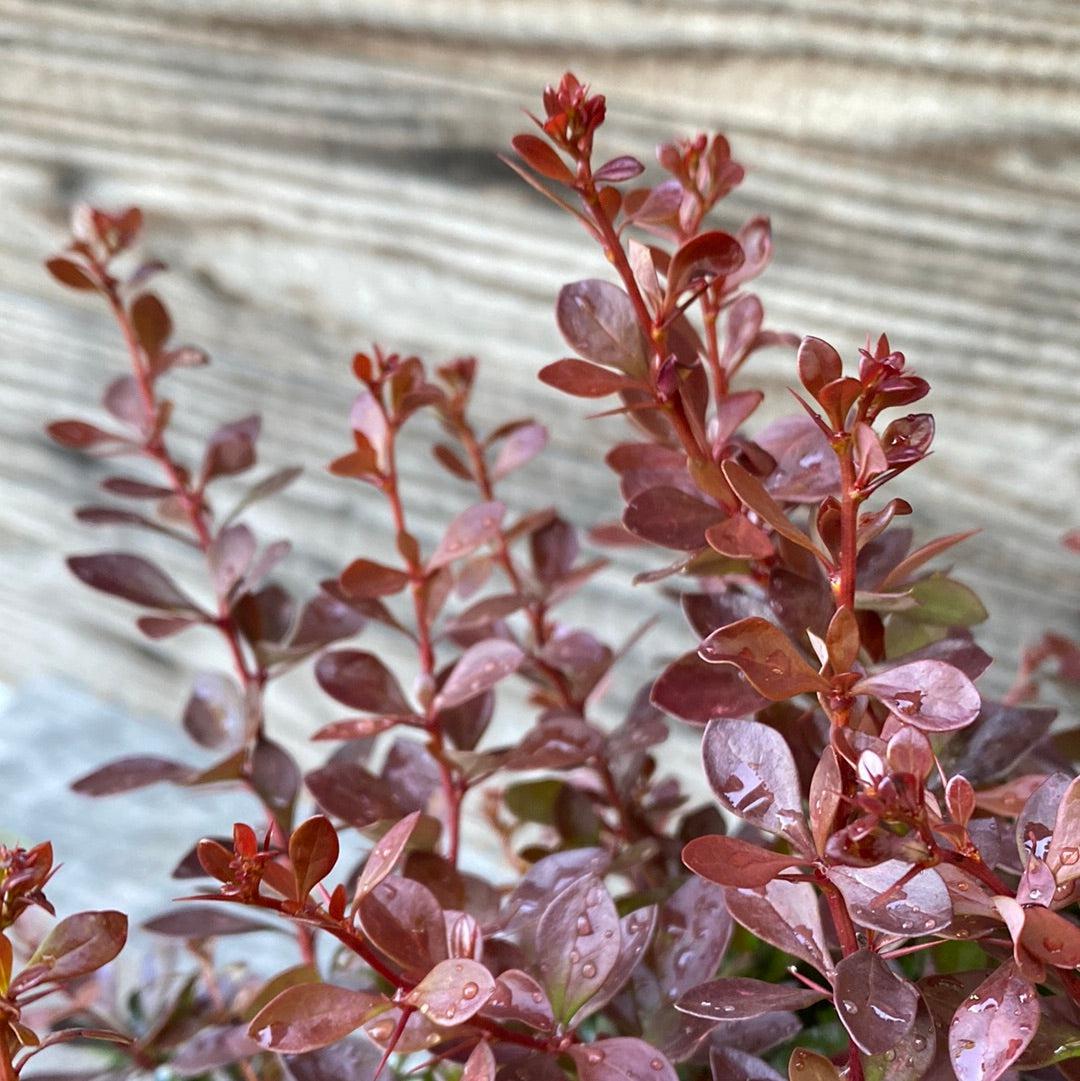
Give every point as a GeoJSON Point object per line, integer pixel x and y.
{"type": "Point", "coordinates": [993, 1025]}
{"type": "Point", "coordinates": [930, 695]}
{"type": "Point", "coordinates": [478, 669]}
{"type": "Point", "coordinates": [740, 998]}
{"type": "Point", "coordinates": [875, 1005]}
{"type": "Point", "coordinates": [452, 991]}
{"type": "Point", "coordinates": [308, 1016]}
{"type": "Point", "coordinates": [765, 655]}
{"type": "Point", "coordinates": [361, 681]}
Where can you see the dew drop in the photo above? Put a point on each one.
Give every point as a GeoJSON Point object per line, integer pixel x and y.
{"type": "Point", "coordinates": [849, 1006]}
{"type": "Point", "coordinates": [594, 1056]}
{"type": "Point", "coordinates": [657, 1064]}
{"type": "Point", "coordinates": [584, 925]}
{"type": "Point", "coordinates": [588, 970]}
{"type": "Point", "coordinates": [470, 990]}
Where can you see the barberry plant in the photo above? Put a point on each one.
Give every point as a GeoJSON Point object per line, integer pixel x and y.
{"type": "Point", "coordinates": [885, 886]}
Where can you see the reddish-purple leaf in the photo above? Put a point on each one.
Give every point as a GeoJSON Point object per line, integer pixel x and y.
{"type": "Point", "coordinates": [348, 791]}
{"type": "Point", "coordinates": [204, 921]}
{"type": "Point", "coordinates": [520, 446]}
{"type": "Point", "coordinates": [542, 157]}
{"type": "Point", "coordinates": [364, 578]}
{"type": "Point", "coordinates": [909, 565]}
{"type": "Point", "coordinates": [133, 579]}
{"type": "Point", "coordinates": [692, 935]}
{"type": "Point", "coordinates": [765, 655]}
{"type": "Point", "coordinates": [313, 851]}
{"type": "Point", "coordinates": [128, 774]}
{"type": "Point", "coordinates": [211, 1049]}
{"type": "Point", "coordinates": [621, 1058]}
{"type": "Point", "coordinates": [740, 998]}
{"type": "Point", "coordinates": [468, 531]}
{"type": "Point", "coordinates": [624, 167]}
{"type": "Point", "coordinates": [875, 1005]}
{"type": "Point", "coordinates": [151, 321]}
{"type": "Point", "coordinates": [78, 435]}
{"type": "Point", "coordinates": [695, 691]}
{"type": "Point", "coordinates": [478, 669]}
{"type": "Point", "coordinates": [752, 771]}
{"type": "Point", "coordinates": [70, 274]}
{"type": "Point", "coordinates": [598, 321]}
{"type": "Point", "coordinates": [480, 1065]}
{"type": "Point", "coordinates": [387, 851]}
{"type": "Point", "coordinates": [215, 715]}
{"type": "Point", "coordinates": [713, 254]}
{"type": "Point", "coordinates": [882, 898]}
{"type": "Point", "coordinates": [930, 695]}
{"type": "Point", "coordinates": [1063, 855]}
{"type": "Point", "coordinates": [739, 538]}
{"type": "Point", "coordinates": [518, 997]}
{"type": "Point", "coordinates": [819, 363]}
{"type": "Point", "coordinates": [784, 914]}
{"type": "Point", "coordinates": [405, 921]}
{"type": "Point", "coordinates": [727, 861]}
{"type": "Point", "coordinates": [452, 991]}
{"type": "Point", "coordinates": [670, 517]}
{"type": "Point", "coordinates": [577, 942]}
{"type": "Point", "coordinates": [361, 681]}
{"type": "Point", "coordinates": [80, 944]}
{"type": "Point", "coordinates": [993, 1025]}
{"type": "Point", "coordinates": [584, 380]}
{"type": "Point", "coordinates": [752, 492]}
{"type": "Point", "coordinates": [231, 449]}
{"type": "Point", "coordinates": [308, 1016]}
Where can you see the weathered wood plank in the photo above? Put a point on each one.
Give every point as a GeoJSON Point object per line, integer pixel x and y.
{"type": "Point", "coordinates": [320, 174]}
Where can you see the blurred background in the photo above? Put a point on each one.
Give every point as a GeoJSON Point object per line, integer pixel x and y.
{"type": "Point", "coordinates": [320, 174]}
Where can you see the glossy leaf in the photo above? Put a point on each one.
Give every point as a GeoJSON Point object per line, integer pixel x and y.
{"type": "Point", "coordinates": [585, 380]}
{"type": "Point", "coordinates": [384, 856]}
{"type": "Point", "coordinates": [694, 690]}
{"type": "Point", "coordinates": [313, 852]}
{"type": "Point", "coordinates": [670, 517]}
{"type": "Point", "coordinates": [131, 578]}
{"type": "Point", "coordinates": [361, 681]}
{"type": "Point", "coordinates": [766, 656]}
{"type": "Point", "coordinates": [752, 492]}
{"type": "Point", "coordinates": [468, 531]}
{"type": "Point", "coordinates": [784, 914]}
{"type": "Point", "coordinates": [452, 992]}
{"type": "Point", "coordinates": [875, 1005]}
{"type": "Point", "coordinates": [308, 1016]}
{"type": "Point", "coordinates": [478, 669]}
{"type": "Point", "coordinates": [128, 774]}
{"type": "Point", "coordinates": [930, 695]}
{"type": "Point", "coordinates": [878, 897]}
{"type": "Point", "coordinates": [364, 578]}
{"type": "Point", "coordinates": [727, 861]}
{"type": "Point", "coordinates": [80, 944]}
{"type": "Point", "coordinates": [739, 998]}
{"type": "Point", "coordinates": [598, 321]}
{"type": "Point", "coordinates": [621, 1058]}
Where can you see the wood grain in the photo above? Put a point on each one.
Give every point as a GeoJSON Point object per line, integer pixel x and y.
{"type": "Point", "coordinates": [320, 174]}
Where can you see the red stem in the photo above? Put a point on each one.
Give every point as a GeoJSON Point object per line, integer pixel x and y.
{"type": "Point", "coordinates": [849, 504]}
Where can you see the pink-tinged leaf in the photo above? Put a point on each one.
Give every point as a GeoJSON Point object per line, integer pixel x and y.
{"type": "Point", "coordinates": [786, 915]}
{"type": "Point", "coordinates": [387, 851]}
{"type": "Point", "coordinates": [215, 715]}
{"type": "Point", "coordinates": [308, 1016]}
{"type": "Point", "coordinates": [133, 579]}
{"type": "Point", "coordinates": [363, 579]}
{"type": "Point", "coordinates": [826, 794]}
{"type": "Point", "coordinates": [752, 492]}
{"type": "Point", "coordinates": [1050, 937]}
{"type": "Point", "coordinates": [360, 727]}
{"type": "Point", "coordinates": [1063, 855]}
{"type": "Point", "coordinates": [752, 771]}
{"type": "Point", "coordinates": [204, 921]}
{"type": "Point", "coordinates": [622, 1058]}
{"type": "Point", "coordinates": [635, 932]}
{"type": "Point", "coordinates": [520, 446]}
{"type": "Point", "coordinates": [577, 942]}
{"type": "Point", "coordinates": [480, 1065]}
{"type": "Point", "coordinates": [80, 944]}
{"type": "Point", "coordinates": [518, 997]}
{"type": "Point", "coordinates": [908, 566]}
{"type": "Point", "coordinates": [129, 774]}
{"type": "Point", "coordinates": [624, 167]}
{"type": "Point", "coordinates": [478, 669]}
{"type": "Point", "coordinates": [452, 991]}
{"type": "Point", "coordinates": [711, 254]}
{"type": "Point", "coordinates": [361, 681]}
{"type": "Point", "coordinates": [670, 517]}
{"type": "Point", "coordinates": [930, 695]}
{"type": "Point", "coordinates": [598, 321]}
{"type": "Point", "coordinates": [231, 449]}
{"type": "Point", "coordinates": [123, 401]}
{"type": "Point", "coordinates": [875, 1005]}
{"type": "Point", "coordinates": [692, 935]}
{"type": "Point", "coordinates": [403, 920]}
{"type": "Point", "coordinates": [740, 998]}
{"type": "Point", "coordinates": [819, 363]}
{"type": "Point", "coordinates": [993, 1025]}
{"type": "Point", "coordinates": [78, 435]}
{"type": "Point", "coordinates": [695, 691]}
{"type": "Point", "coordinates": [876, 898]}
{"type": "Point", "coordinates": [313, 851]}
{"type": "Point", "coordinates": [468, 531]}
{"type": "Point", "coordinates": [542, 157]}
{"type": "Point", "coordinates": [660, 204]}
{"type": "Point", "coordinates": [733, 1064]}
{"type": "Point", "coordinates": [211, 1049]}
{"type": "Point", "coordinates": [230, 556]}
{"type": "Point", "coordinates": [585, 380]}
{"type": "Point", "coordinates": [766, 656]}
{"type": "Point", "coordinates": [739, 538]}
{"type": "Point", "coordinates": [727, 861]}
{"type": "Point", "coordinates": [70, 274]}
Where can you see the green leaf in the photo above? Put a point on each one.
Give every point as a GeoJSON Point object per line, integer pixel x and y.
{"type": "Point", "coordinates": [534, 801]}
{"type": "Point", "coordinates": [947, 603]}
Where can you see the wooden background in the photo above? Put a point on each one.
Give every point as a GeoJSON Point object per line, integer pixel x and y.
{"type": "Point", "coordinates": [320, 173]}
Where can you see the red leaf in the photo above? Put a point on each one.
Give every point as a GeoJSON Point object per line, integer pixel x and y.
{"type": "Point", "coordinates": [727, 861]}
{"type": "Point", "coordinates": [598, 321]}
{"type": "Point", "coordinates": [518, 997]}
{"type": "Point", "coordinates": [695, 691]}
{"type": "Point", "coordinates": [363, 579]}
{"type": "Point", "coordinates": [740, 998]}
{"type": "Point", "coordinates": [387, 851]}
{"type": "Point", "coordinates": [80, 944]}
{"type": "Point", "coordinates": [468, 531]}
{"type": "Point", "coordinates": [877, 899]}
{"type": "Point", "coordinates": [480, 1065]}
{"type": "Point", "coordinates": [452, 991]}
{"type": "Point", "coordinates": [542, 157]}
{"type": "Point", "coordinates": [993, 1025]}
{"type": "Point", "coordinates": [133, 579]}
{"type": "Point", "coordinates": [715, 254]}
{"type": "Point", "coordinates": [481, 666]}
{"type": "Point", "coordinates": [313, 851]}
{"type": "Point", "coordinates": [231, 449]}
{"type": "Point", "coordinates": [752, 492]}
{"type": "Point", "coordinates": [739, 538]}
{"type": "Point", "coordinates": [786, 915]}
{"type": "Point", "coordinates": [361, 681]}
{"type": "Point", "coordinates": [203, 921]}
{"type": "Point", "coordinates": [78, 435]}
{"type": "Point", "coordinates": [521, 446]}
{"type": "Point", "coordinates": [624, 167]}
{"type": "Point", "coordinates": [152, 323]}
{"type": "Point", "coordinates": [70, 274]}
{"type": "Point", "coordinates": [930, 695]}
{"type": "Point", "coordinates": [308, 1016]}
{"type": "Point", "coordinates": [908, 566]}
{"type": "Point", "coordinates": [621, 1058]}
{"type": "Point", "coordinates": [215, 714]}
{"type": "Point", "coordinates": [765, 655]}
{"type": "Point", "coordinates": [819, 363]}
{"type": "Point", "coordinates": [875, 1005]}
{"type": "Point", "coordinates": [128, 774]}
{"type": "Point", "coordinates": [585, 380]}
{"type": "Point", "coordinates": [358, 727]}
{"type": "Point", "coordinates": [671, 518]}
